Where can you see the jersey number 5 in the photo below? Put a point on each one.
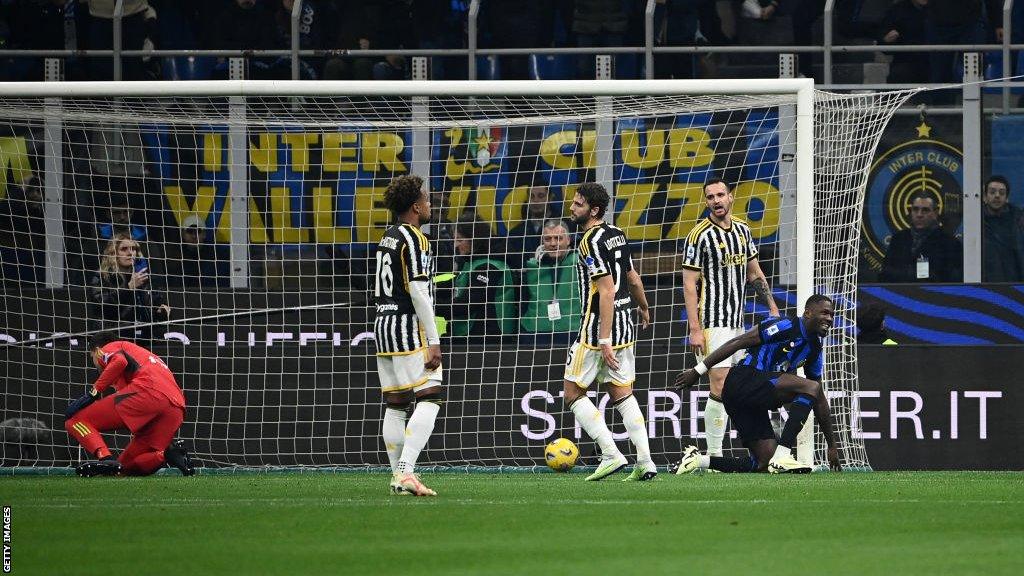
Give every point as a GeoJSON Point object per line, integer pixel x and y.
{"type": "Point", "coordinates": [385, 283]}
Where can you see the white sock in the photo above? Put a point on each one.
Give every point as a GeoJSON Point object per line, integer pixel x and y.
{"type": "Point", "coordinates": [705, 462]}
{"type": "Point", "coordinates": [417, 432]}
{"type": "Point", "coordinates": [636, 428]}
{"type": "Point", "coordinates": [394, 435]}
{"type": "Point", "coordinates": [782, 452]}
{"type": "Point", "coordinates": [593, 424]}
{"type": "Point", "coordinates": [714, 425]}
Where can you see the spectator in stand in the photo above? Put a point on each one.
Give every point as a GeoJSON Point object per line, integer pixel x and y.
{"type": "Point", "coordinates": [314, 22]}
{"type": "Point", "coordinates": [441, 24]}
{"type": "Point", "coordinates": [23, 232]}
{"type": "Point", "coordinates": [359, 25]}
{"type": "Point", "coordinates": [247, 25]}
{"type": "Point", "coordinates": [871, 325]}
{"type": "Point", "coordinates": [955, 22]}
{"type": "Point", "coordinates": [138, 32]}
{"type": "Point", "coordinates": [759, 9]}
{"type": "Point", "coordinates": [525, 237]}
{"type": "Point", "coordinates": [516, 24]}
{"type": "Point", "coordinates": [597, 23]}
{"type": "Point", "coordinates": [904, 24]}
{"type": "Point", "coordinates": [193, 261]}
{"type": "Point", "coordinates": [267, 25]}
{"type": "Point", "coordinates": [33, 25]}
{"type": "Point", "coordinates": [552, 300]}
{"type": "Point", "coordinates": [685, 23]}
{"type": "Point", "coordinates": [120, 222]}
{"type": "Point", "coordinates": [397, 31]}
{"type": "Point", "coordinates": [1002, 237]}
{"type": "Point", "coordinates": [482, 301]}
{"type": "Point", "coordinates": [122, 291]}
{"type": "Point", "coordinates": [924, 252]}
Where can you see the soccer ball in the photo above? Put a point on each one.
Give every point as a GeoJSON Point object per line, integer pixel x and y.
{"type": "Point", "coordinates": [561, 455]}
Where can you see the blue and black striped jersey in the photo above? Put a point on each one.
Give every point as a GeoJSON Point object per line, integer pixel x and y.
{"type": "Point", "coordinates": [785, 346]}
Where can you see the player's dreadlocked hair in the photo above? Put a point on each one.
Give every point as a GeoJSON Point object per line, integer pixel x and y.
{"type": "Point", "coordinates": [402, 193]}
{"type": "Point", "coordinates": [596, 196]}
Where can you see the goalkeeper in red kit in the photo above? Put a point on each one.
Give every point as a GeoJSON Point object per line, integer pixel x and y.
{"type": "Point", "coordinates": [146, 401]}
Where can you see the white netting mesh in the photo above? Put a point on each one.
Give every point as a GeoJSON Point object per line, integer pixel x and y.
{"type": "Point", "coordinates": [268, 334]}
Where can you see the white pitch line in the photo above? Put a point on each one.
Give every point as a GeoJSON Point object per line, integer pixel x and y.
{"type": "Point", "coordinates": [336, 502]}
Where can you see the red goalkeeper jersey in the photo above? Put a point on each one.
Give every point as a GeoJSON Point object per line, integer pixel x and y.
{"type": "Point", "coordinates": [125, 364]}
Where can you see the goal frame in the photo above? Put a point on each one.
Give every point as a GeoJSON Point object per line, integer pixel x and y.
{"type": "Point", "coordinates": [237, 90]}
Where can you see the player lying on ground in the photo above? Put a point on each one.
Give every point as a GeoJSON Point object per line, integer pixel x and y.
{"type": "Point", "coordinates": [146, 400]}
{"type": "Point", "coordinates": [764, 380]}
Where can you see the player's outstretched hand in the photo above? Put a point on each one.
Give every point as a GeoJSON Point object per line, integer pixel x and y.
{"type": "Point", "coordinates": [78, 404]}
{"type": "Point", "coordinates": [833, 459]}
{"type": "Point", "coordinates": [433, 358]}
{"type": "Point", "coordinates": [687, 378]}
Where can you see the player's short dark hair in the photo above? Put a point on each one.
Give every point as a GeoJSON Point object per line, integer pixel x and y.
{"type": "Point", "coordinates": [102, 338]}
{"type": "Point", "coordinates": [716, 180]}
{"type": "Point", "coordinates": [870, 317]}
{"type": "Point", "coordinates": [1001, 179]}
{"type": "Point", "coordinates": [816, 299]}
{"type": "Point", "coordinates": [596, 196]}
{"type": "Point", "coordinates": [402, 193]}
{"type": "Point", "coordinates": [476, 231]}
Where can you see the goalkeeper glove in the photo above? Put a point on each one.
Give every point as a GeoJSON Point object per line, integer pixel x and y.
{"type": "Point", "coordinates": [80, 403]}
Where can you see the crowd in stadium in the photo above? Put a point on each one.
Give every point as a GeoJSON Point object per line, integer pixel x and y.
{"type": "Point", "coordinates": [339, 25]}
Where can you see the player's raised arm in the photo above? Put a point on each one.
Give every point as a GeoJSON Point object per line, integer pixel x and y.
{"type": "Point", "coordinates": [689, 377]}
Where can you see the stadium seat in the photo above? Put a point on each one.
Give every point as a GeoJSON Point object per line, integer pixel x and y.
{"type": "Point", "coordinates": [552, 67]}
{"type": "Point", "coordinates": [188, 67]}
{"type": "Point", "coordinates": [488, 68]}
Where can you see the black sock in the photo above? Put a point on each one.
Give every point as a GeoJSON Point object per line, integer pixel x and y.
{"type": "Point", "coordinates": [798, 412]}
{"type": "Point", "coordinates": [731, 464]}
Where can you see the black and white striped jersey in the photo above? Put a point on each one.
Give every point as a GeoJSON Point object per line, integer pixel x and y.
{"type": "Point", "coordinates": [403, 256]}
{"type": "Point", "coordinates": [604, 250]}
{"type": "Point", "coordinates": [721, 256]}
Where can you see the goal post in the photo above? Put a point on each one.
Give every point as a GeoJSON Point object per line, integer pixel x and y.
{"type": "Point", "coordinates": [256, 206]}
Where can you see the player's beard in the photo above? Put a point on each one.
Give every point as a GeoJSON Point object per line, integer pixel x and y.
{"type": "Point", "coordinates": [581, 221]}
{"type": "Point", "coordinates": [426, 217]}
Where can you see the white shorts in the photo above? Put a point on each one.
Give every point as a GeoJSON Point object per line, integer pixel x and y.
{"type": "Point", "coordinates": [715, 338]}
{"type": "Point", "coordinates": [406, 372]}
{"type": "Point", "coordinates": [586, 365]}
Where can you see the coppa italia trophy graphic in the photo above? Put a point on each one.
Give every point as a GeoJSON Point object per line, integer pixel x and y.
{"type": "Point", "coordinates": [923, 164]}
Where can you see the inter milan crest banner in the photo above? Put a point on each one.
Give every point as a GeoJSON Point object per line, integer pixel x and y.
{"type": "Point", "coordinates": [916, 155]}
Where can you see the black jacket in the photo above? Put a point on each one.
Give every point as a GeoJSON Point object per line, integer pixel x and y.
{"type": "Point", "coordinates": [1002, 246]}
{"type": "Point", "coordinates": [944, 254]}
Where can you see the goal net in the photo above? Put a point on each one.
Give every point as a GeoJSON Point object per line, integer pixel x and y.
{"type": "Point", "coordinates": [231, 227]}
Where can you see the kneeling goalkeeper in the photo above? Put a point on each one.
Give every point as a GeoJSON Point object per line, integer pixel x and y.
{"type": "Point", "coordinates": [146, 401]}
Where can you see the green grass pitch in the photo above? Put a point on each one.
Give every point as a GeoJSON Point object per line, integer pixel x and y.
{"type": "Point", "coordinates": [519, 523]}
